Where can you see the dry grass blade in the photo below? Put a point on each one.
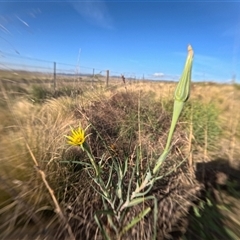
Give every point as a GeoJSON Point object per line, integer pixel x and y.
{"type": "Point", "coordinates": [51, 192]}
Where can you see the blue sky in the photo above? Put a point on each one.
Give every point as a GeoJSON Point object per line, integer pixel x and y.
{"type": "Point", "coordinates": [134, 38]}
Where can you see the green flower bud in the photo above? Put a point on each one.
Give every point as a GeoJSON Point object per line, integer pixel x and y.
{"type": "Point", "coordinates": [182, 91]}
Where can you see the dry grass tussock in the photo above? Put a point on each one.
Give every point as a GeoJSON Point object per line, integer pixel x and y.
{"type": "Point", "coordinates": [121, 127]}
{"type": "Point", "coordinates": [130, 124]}
{"type": "Point", "coordinates": [40, 129]}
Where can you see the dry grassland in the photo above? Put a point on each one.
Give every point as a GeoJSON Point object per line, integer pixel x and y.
{"type": "Point", "coordinates": [32, 146]}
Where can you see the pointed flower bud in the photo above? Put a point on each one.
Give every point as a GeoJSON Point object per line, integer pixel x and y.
{"type": "Point", "coordinates": [182, 91]}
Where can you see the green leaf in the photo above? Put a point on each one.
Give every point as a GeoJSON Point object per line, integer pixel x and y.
{"type": "Point", "coordinates": [196, 211]}
{"type": "Point", "coordinates": [209, 203]}
{"type": "Point", "coordinates": [125, 167]}
{"type": "Point", "coordinates": [161, 159]}
{"type": "Point", "coordinates": [231, 234]}
{"type": "Point", "coordinates": [130, 183]}
{"type": "Point", "coordinates": [119, 191]}
{"type": "Point", "coordinates": [101, 228]}
{"type": "Point", "coordinates": [136, 201]}
{"type": "Point", "coordinates": [110, 177]}
{"type": "Point", "coordinates": [135, 220]}
{"type": "Point", "coordinates": [140, 194]}
{"type": "Point", "coordinates": [155, 217]}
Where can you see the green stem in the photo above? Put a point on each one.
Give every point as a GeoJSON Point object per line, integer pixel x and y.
{"type": "Point", "coordinates": [87, 149]}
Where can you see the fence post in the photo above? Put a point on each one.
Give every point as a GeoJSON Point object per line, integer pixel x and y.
{"type": "Point", "coordinates": [54, 76]}
{"type": "Point", "coordinates": [107, 79]}
{"type": "Point", "coordinates": [93, 77]}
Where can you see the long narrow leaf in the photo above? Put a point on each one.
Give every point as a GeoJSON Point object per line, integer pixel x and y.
{"type": "Point", "coordinates": [120, 179]}
{"type": "Point", "coordinates": [125, 167]}
{"type": "Point", "coordinates": [130, 185]}
{"type": "Point", "coordinates": [155, 213]}
{"type": "Point", "coordinates": [104, 233]}
{"type": "Point", "coordinates": [110, 177]}
{"type": "Point", "coordinates": [231, 233]}
{"type": "Point", "coordinates": [109, 214]}
{"type": "Point", "coordinates": [140, 194]}
{"type": "Point", "coordinates": [169, 172]}
{"type": "Point", "coordinates": [135, 220]}
{"type": "Point", "coordinates": [136, 201]}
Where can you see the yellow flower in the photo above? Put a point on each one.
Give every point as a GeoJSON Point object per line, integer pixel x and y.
{"type": "Point", "coordinates": [77, 137]}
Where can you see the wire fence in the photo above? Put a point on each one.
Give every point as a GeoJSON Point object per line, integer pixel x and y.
{"type": "Point", "coordinates": [17, 67]}
{"type": "Point", "coordinates": [32, 69]}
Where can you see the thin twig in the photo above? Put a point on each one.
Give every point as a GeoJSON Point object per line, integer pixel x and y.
{"type": "Point", "coordinates": [51, 192]}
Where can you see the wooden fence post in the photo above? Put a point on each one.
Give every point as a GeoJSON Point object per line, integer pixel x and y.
{"type": "Point", "coordinates": [54, 76]}
{"type": "Point", "coordinates": [93, 77]}
{"type": "Point", "coordinates": [107, 79]}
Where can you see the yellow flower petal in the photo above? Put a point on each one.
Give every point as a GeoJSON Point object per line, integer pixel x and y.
{"type": "Point", "coordinates": [77, 137]}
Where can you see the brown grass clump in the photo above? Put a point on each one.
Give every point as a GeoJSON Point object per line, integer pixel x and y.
{"type": "Point", "coordinates": [124, 126]}
{"type": "Point", "coordinates": [120, 124]}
